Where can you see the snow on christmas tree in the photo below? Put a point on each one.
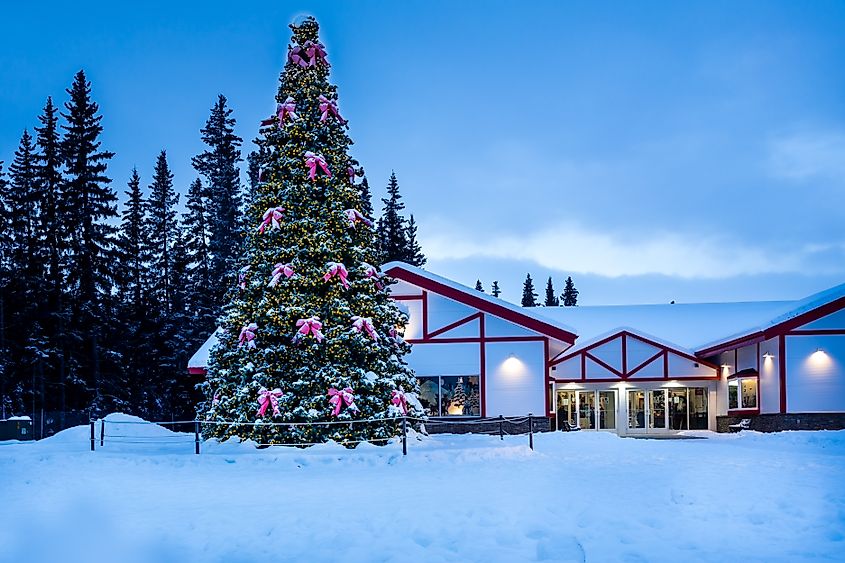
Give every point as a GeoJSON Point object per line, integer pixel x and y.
{"type": "Point", "coordinates": [472, 406]}
{"type": "Point", "coordinates": [459, 398]}
{"type": "Point", "coordinates": [309, 332]}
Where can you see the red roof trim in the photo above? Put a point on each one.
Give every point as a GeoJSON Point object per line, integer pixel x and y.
{"type": "Point", "coordinates": [196, 371]}
{"type": "Point", "coordinates": [467, 298]}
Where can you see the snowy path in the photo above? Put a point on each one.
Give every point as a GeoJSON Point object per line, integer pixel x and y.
{"type": "Point", "coordinates": [578, 497]}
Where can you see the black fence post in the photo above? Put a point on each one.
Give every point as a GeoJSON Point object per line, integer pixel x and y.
{"type": "Point", "coordinates": [501, 427]}
{"type": "Point", "coordinates": [93, 437]}
{"type": "Point", "coordinates": [404, 435]}
{"type": "Point", "coordinates": [197, 437]}
{"type": "Point", "coordinates": [102, 431]}
{"type": "Point", "coordinates": [530, 431]}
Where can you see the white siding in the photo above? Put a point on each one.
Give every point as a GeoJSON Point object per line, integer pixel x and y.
{"type": "Point", "coordinates": [466, 330]}
{"type": "Point", "coordinates": [597, 371]}
{"type": "Point", "coordinates": [414, 328]}
{"type": "Point", "coordinates": [769, 377]}
{"type": "Point", "coordinates": [404, 288]}
{"type": "Point", "coordinates": [445, 359]}
{"type": "Point", "coordinates": [639, 351]}
{"type": "Point", "coordinates": [815, 380]}
{"type": "Point", "coordinates": [834, 320]}
{"type": "Point", "coordinates": [680, 367]}
{"type": "Point", "coordinates": [443, 311]}
{"type": "Point", "coordinates": [494, 326]}
{"type": "Point", "coordinates": [746, 357]}
{"type": "Point", "coordinates": [653, 369]}
{"type": "Point", "coordinates": [515, 385]}
{"type": "Point", "coordinates": [610, 353]}
{"type": "Point", "coordinates": [569, 369]}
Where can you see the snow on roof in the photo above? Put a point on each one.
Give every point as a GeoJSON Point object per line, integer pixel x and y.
{"type": "Point", "coordinates": [200, 358]}
{"type": "Point", "coordinates": [494, 301]}
{"type": "Point", "coordinates": [686, 326]}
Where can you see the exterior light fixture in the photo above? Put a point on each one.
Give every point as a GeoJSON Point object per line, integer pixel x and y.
{"type": "Point", "coordinates": [726, 366]}
{"type": "Point", "coordinates": [768, 355]}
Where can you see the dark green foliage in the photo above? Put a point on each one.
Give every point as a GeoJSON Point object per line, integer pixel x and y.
{"type": "Point", "coordinates": [494, 290]}
{"type": "Point", "coordinates": [529, 297]}
{"type": "Point", "coordinates": [478, 286]}
{"type": "Point", "coordinates": [551, 298]}
{"type": "Point", "coordinates": [570, 294]}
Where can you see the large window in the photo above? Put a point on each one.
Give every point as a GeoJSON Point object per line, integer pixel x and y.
{"type": "Point", "coordinates": [450, 395]}
{"type": "Point", "coordinates": [742, 393]}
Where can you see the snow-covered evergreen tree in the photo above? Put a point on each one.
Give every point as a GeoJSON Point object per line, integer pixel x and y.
{"type": "Point", "coordinates": [309, 332]}
{"type": "Point", "coordinates": [413, 254]}
{"type": "Point", "coordinates": [570, 294]}
{"type": "Point", "coordinates": [478, 286]}
{"type": "Point", "coordinates": [494, 289]}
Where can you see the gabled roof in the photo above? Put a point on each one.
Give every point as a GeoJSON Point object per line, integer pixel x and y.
{"type": "Point", "coordinates": [199, 361]}
{"type": "Point", "coordinates": [478, 300]}
{"type": "Point", "coordinates": [797, 313]}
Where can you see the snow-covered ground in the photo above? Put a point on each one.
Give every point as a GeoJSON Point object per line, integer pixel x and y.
{"type": "Point", "coordinates": [578, 497]}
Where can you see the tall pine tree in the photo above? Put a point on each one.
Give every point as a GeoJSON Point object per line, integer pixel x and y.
{"type": "Point", "coordinates": [414, 254]}
{"type": "Point", "coordinates": [529, 297]}
{"type": "Point", "coordinates": [551, 298]}
{"type": "Point", "coordinates": [494, 289]}
{"type": "Point", "coordinates": [392, 233]}
{"type": "Point", "coordinates": [308, 319]}
{"type": "Point", "coordinates": [570, 294]}
{"type": "Point", "coordinates": [478, 286]}
{"type": "Point", "coordinates": [219, 165]}
{"type": "Point", "coordinates": [90, 207]}
{"type": "Point", "coordinates": [200, 299]}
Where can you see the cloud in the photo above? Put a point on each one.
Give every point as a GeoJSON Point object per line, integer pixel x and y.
{"type": "Point", "coordinates": [808, 156]}
{"type": "Point", "coordinates": [578, 249]}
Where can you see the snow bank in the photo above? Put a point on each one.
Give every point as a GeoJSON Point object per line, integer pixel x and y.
{"type": "Point", "coordinates": [581, 496]}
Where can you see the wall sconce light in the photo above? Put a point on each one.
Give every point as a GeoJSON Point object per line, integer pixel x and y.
{"type": "Point", "coordinates": [768, 356]}
{"type": "Point", "coordinates": [511, 355]}
{"type": "Point", "coordinates": [726, 366]}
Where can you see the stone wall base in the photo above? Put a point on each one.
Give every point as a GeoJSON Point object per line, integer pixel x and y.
{"type": "Point", "coordinates": [778, 422]}
{"type": "Point", "coordinates": [486, 426]}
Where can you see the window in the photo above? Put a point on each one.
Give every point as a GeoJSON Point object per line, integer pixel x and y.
{"type": "Point", "coordinates": [450, 395]}
{"type": "Point", "coordinates": [742, 393]}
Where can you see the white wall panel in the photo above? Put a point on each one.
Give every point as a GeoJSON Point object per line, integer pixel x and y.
{"type": "Point", "coordinates": [684, 367]}
{"type": "Point", "coordinates": [610, 353]}
{"type": "Point", "coordinates": [597, 371]}
{"type": "Point", "coordinates": [414, 328]}
{"type": "Point", "coordinates": [569, 369]}
{"type": "Point", "coordinates": [651, 370]}
{"type": "Point", "coordinates": [443, 311]}
{"type": "Point", "coordinates": [445, 359]}
{"type": "Point", "coordinates": [834, 320]}
{"type": "Point", "coordinates": [494, 326]}
{"type": "Point", "coordinates": [404, 288]}
{"type": "Point", "coordinates": [769, 378]}
{"type": "Point", "coordinates": [639, 351]}
{"type": "Point", "coordinates": [746, 357]}
{"type": "Point", "coordinates": [815, 380]}
{"type": "Point", "coordinates": [515, 385]}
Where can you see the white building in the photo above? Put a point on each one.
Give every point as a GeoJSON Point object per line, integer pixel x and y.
{"type": "Point", "coordinates": [628, 369]}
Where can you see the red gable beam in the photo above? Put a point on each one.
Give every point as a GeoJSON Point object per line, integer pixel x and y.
{"type": "Point", "coordinates": [471, 300]}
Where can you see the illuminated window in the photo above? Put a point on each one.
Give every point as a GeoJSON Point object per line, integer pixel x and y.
{"type": "Point", "coordinates": [450, 395]}
{"type": "Point", "coordinates": [742, 393]}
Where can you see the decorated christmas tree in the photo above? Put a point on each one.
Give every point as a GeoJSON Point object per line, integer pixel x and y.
{"type": "Point", "coordinates": [472, 406]}
{"type": "Point", "coordinates": [459, 398]}
{"type": "Point", "coordinates": [309, 333]}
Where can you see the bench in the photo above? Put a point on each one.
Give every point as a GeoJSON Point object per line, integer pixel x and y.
{"type": "Point", "coordinates": [743, 424]}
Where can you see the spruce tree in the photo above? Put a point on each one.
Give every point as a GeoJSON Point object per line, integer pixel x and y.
{"type": "Point", "coordinates": [52, 226]}
{"type": "Point", "coordinates": [219, 165]}
{"type": "Point", "coordinates": [478, 286]}
{"type": "Point", "coordinates": [551, 298]}
{"type": "Point", "coordinates": [570, 294]}
{"type": "Point", "coordinates": [90, 207]}
{"type": "Point", "coordinates": [200, 300]}
{"type": "Point", "coordinates": [392, 233]}
{"type": "Point", "coordinates": [529, 297]}
{"type": "Point", "coordinates": [310, 330]}
{"type": "Point", "coordinates": [132, 245]}
{"type": "Point", "coordinates": [414, 254]}
{"type": "Point", "coordinates": [8, 398]}
{"type": "Point", "coordinates": [162, 232]}
{"type": "Point", "coordinates": [494, 290]}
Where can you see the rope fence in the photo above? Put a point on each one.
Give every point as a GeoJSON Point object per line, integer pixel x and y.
{"type": "Point", "coordinates": [491, 426]}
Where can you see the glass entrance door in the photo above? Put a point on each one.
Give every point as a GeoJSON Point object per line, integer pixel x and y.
{"type": "Point", "coordinates": [657, 408]}
{"type": "Point", "coordinates": [567, 408]}
{"type": "Point", "coordinates": [636, 410]}
{"type": "Point", "coordinates": [607, 410]}
{"type": "Point", "coordinates": [678, 409]}
{"type": "Point", "coordinates": [587, 410]}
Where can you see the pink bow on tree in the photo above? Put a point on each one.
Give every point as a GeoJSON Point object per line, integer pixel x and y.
{"type": "Point", "coordinates": [364, 324]}
{"type": "Point", "coordinates": [339, 270]}
{"type": "Point", "coordinates": [328, 107]}
{"type": "Point", "coordinates": [287, 109]}
{"type": "Point", "coordinates": [316, 53]}
{"type": "Point", "coordinates": [312, 161]}
{"type": "Point", "coordinates": [398, 399]}
{"type": "Point", "coordinates": [271, 218]}
{"type": "Point", "coordinates": [312, 326]}
{"type": "Point", "coordinates": [338, 398]}
{"type": "Point", "coordinates": [351, 171]}
{"type": "Point", "coordinates": [280, 270]}
{"type": "Point", "coordinates": [354, 216]}
{"type": "Point", "coordinates": [242, 277]}
{"type": "Point", "coordinates": [247, 336]}
{"type": "Point", "coordinates": [267, 398]}
{"type": "Point", "coordinates": [298, 56]}
{"type": "Point", "coordinates": [395, 336]}
{"type": "Point", "coordinates": [372, 273]}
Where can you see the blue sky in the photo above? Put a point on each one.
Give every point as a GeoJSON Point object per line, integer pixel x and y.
{"type": "Point", "coordinates": [655, 151]}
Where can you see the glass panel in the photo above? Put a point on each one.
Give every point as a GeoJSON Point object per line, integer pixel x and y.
{"type": "Point", "coordinates": [607, 410]}
{"type": "Point", "coordinates": [587, 410]}
{"type": "Point", "coordinates": [749, 393]}
{"type": "Point", "coordinates": [565, 408]}
{"type": "Point", "coordinates": [429, 395]}
{"type": "Point", "coordinates": [459, 396]}
{"type": "Point", "coordinates": [678, 409]}
{"type": "Point", "coordinates": [636, 409]}
{"type": "Point", "coordinates": [657, 405]}
{"type": "Point", "coordinates": [733, 394]}
{"type": "Point", "coordinates": [698, 408]}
